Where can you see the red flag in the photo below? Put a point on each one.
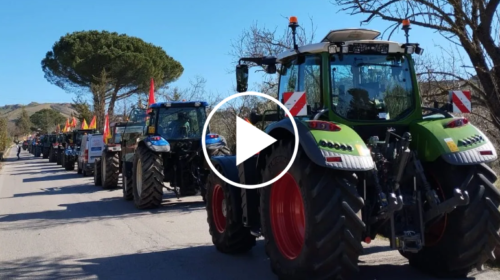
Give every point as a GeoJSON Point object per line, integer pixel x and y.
{"type": "Point", "coordinates": [106, 133]}
{"type": "Point", "coordinates": [151, 93]}
{"type": "Point", "coordinates": [93, 124]}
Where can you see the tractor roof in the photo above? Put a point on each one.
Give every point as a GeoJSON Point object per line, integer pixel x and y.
{"type": "Point", "coordinates": [179, 104]}
{"type": "Point", "coordinates": [345, 38]}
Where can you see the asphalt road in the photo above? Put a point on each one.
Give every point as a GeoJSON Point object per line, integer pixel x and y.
{"type": "Point", "coordinates": [56, 224]}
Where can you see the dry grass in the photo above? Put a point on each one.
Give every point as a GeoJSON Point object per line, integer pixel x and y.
{"type": "Point", "coordinates": [12, 112]}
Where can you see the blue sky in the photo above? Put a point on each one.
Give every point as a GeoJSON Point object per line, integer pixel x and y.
{"type": "Point", "coordinates": [196, 33]}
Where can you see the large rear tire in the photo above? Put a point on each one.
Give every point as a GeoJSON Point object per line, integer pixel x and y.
{"type": "Point", "coordinates": [52, 155]}
{"type": "Point", "coordinates": [38, 151]}
{"type": "Point", "coordinates": [127, 181]}
{"type": "Point", "coordinates": [59, 157]}
{"type": "Point", "coordinates": [469, 234]}
{"type": "Point", "coordinates": [309, 218]}
{"type": "Point", "coordinates": [110, 170]}
{"type": "Point", "coordinates": [228, 234]}
{"type": "Point", "coordinates": [69, 165]}
{"type": "Point", "coordinates": [148, 178]}
{"type": "Point", "coordinates": [97, 173]}
{"type": "Point", "coordinates": [45, 152]}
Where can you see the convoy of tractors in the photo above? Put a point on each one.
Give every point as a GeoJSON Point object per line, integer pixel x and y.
{"type": "Point", "coordinates": [372, 161]}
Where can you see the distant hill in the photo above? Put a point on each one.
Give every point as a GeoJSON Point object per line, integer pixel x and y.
{"type": "Point", "coordinates": [12, 112]}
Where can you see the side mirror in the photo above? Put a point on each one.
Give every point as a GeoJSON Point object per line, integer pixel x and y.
{"type": "Point", "coordinates": [241, 77]}
{"type": "Point", "coordinates": [271, 69]}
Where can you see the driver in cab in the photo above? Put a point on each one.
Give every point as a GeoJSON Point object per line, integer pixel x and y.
{"type": "Point", "coordinates": [180, 127]}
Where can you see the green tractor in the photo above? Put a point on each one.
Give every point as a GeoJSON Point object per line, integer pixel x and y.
{"type": "Point", "coordinates": [369, 163]}
{"type": "Point", "coordinates": [169, 150]}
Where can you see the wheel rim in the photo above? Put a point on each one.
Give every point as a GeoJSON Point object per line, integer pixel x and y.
{"type": "Point", "coordinates": [219, 208]}
{"type": "Point", "coordinates": [138, 181]}
{"type": "Point", "coordinates": [435, 232]}
{"type": "Point", "coordinates": [287, 216]}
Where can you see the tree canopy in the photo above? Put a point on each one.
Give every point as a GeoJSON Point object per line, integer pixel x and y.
{"type": "Point", "coordinates": [78, 59]}
{"type": "Point", "coordinates": [47, 119]}
{"type": "Point", "coordinates": [23, 123]}
{"type": "Point", "coordinates": [469, 24]}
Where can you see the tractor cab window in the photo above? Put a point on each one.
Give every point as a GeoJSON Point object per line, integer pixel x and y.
{"type": "Point", "coordinates": [303, 74]}
{"type": "Point", "coordinates": [310, 80]}
{"type": "Point", "coordinates": [289, 77]}
{"type": "Point", "coordinates": [181, 123]}
{"type": "Point", "coordinates": [118, 133]}
{"type": "Point", "coordinates": [138, 115]}
{"type": "Point", "coordinates": [371, 87]}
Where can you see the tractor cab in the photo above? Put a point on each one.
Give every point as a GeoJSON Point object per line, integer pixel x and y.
{"type": "Point", "coordinates": [349, 77]}
{"type": "Point", "coordinates": [179, 120]}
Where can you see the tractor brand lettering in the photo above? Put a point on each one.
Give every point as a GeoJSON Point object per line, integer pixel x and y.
{"type": "Point", "coordinates": [461, 101]}
{"type": "Point", "coordinates": [296, 102]}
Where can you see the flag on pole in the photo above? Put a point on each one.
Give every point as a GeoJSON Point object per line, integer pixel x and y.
{"type": "Point", "coordinates": [151, 99]}
{"type": "Point", "coordinates": [66, 126]}
{"type": "Point", "coordinates": [84, 124]}
{"type": "Point", "coordinates": [73, 122]}
{"type": "Point", "coordinates": [106, 135]}
{"type": "Point", "coordinates": [93, 124]}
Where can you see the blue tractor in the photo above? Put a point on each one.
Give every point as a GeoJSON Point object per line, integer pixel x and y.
{"type": "Point", "coordinates": [168, 148]}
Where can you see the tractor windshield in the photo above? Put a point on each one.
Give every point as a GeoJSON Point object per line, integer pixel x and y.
{"type": "Point", "coordinates": [371, 87]}
{"type": "Point", "coordinates": [181, 123]}
{"type": "Point", "coordinates": [118, 133]}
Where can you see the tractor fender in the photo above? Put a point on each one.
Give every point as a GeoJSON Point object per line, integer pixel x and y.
{"type": "Point", "coordinates": [431, 138]}
{"type": "Point", "coordinates": [156, 144]}
{"type": "Point", "coordinates": [319, 145]}
{"type": "Point", "coordinates": [228, 168]}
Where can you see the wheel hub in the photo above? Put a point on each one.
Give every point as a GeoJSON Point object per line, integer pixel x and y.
{"type": "Point", "coordinates": [224, 208]}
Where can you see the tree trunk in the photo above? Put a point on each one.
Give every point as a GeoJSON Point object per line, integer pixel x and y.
{"type": "Point", "coordinates": [112, 101]}
{"type": "Point", "coordinates": [99, 109]}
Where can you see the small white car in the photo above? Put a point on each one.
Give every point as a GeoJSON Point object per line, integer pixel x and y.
{"type": "Point", "coordinates": [91, 149]}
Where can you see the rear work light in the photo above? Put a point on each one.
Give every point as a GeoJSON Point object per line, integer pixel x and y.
{"type": "Point", "coordinates": [457, 123]}
{"type": "Point", "coordinates": [322, 125]}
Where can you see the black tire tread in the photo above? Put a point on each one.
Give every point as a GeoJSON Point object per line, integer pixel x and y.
{"type": "Point", "coordinates": [473, 230]}
{"type": "Point", "coordinates": [236, 238]}
{"type": "Point", "coordinates": [152, 172]}
{"type": "Point", "coordinates": [112, 162]}
{"type": "Point", "coordinates": [128, 183]}
{"type": "Point", "coordinates": [97, 173]}
{"type": "Point", "coordinates": [69, 165]}
{"type": "Point", "coordinates": [333, 202]}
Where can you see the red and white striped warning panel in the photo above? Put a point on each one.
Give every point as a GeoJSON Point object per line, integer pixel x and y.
{"type": "Point", "coordinates": [461, 101]}
{"type": "Point", "coordinates": [296, 103]}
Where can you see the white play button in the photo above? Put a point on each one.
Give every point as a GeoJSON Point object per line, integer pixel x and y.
{"type": "Point", "coordinates": [249, 140]}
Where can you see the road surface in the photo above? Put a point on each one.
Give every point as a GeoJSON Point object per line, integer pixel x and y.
{"type": "Point", "coordinates": [56, 224]}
